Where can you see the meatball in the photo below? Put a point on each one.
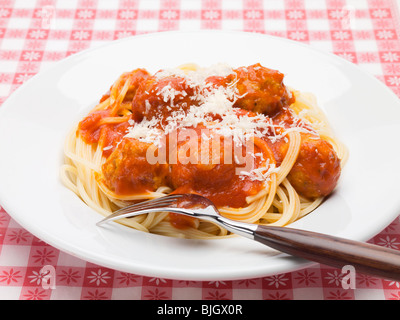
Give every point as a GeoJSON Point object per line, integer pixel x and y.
{"type": "Point", "coordinates": [215, 178]}
{"type": "Point", "coordinates": [262, 89]}
{"type": "Point", "coordinates": [160, 97]}
{"type": "Point", "coordinates": [317, 168]}
{"type": "Point", "coordinates": [128, 171]}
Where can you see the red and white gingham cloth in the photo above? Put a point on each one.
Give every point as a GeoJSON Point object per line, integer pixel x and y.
{"type": "Point", "coordinates": [35, 34]}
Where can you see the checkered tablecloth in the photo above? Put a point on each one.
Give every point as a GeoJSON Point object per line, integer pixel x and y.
{"type": "Point", "coordinates": [37, 33]}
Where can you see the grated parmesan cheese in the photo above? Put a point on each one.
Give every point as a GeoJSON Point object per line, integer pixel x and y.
{"type": "Point", "coordinates": [212, 101]}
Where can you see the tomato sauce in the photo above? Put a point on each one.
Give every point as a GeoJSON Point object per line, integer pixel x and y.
{"type": "Point", "coordinates": [127, 170]}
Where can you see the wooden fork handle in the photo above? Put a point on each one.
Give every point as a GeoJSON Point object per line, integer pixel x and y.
{"type": "Point", "coordinates": [333, 251]}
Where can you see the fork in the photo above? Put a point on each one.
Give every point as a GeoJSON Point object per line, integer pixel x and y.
{"type": "Point", "coordinates": [321, 248]}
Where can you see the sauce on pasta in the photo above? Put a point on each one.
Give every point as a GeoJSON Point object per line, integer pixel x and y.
{"type": "Point", "coordinates": [219, 115]}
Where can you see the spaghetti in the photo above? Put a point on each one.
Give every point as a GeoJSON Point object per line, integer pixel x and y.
{"type": "Point", "coordinates": [261, 152]}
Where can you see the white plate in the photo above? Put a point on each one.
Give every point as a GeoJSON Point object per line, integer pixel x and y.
{"type": "Point", "coordinates": [35, 119]}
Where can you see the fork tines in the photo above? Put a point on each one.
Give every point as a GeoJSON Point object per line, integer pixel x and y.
{"type": "Point", "coordinates": [153, 203]}
{"type": "Point", "coordinates": [149, 204]}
